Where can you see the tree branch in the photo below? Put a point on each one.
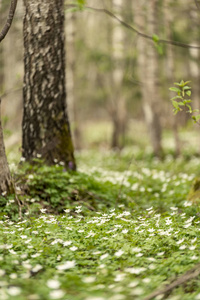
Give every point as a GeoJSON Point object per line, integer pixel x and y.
{"type": "Point", "coordinates": [191, 274]}
{"type": "Point", "coordinates": [9, 20]}
{"type": "Point", "coordinates": [109, 13]}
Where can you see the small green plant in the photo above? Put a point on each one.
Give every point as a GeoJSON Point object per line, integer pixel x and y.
{"type": "Point", "coordinates": [182, 100]}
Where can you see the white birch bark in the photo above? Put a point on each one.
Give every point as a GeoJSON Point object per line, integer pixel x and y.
{"type": "Point", "coordinates": [169, 67]}
{"type": "Point", "coordinates": [118, 111]}
{"type": "Point", "coordinates": [148, 72]}
{"type": "Point", "coordinates": [71, 77]}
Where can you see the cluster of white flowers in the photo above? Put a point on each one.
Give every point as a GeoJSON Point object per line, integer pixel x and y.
{"type": "Point", "coordinates": [111, 232]}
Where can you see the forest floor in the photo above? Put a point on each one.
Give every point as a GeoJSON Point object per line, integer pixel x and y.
{"type": "Point", "coordinates": [120, 228]}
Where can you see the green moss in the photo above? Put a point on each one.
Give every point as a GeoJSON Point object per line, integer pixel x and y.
{"type": "Point", "coordinates": [66, 148]}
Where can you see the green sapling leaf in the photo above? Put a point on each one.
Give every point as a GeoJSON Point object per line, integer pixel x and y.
{"type": "Point", "coordinates": [190, 108]}
{"type": "Point", "coordinates": [186, 88]}
{"type": "Point", "coordinates": [174, 89]}
{"type": "Point", "coordinates": [188, 93]}
{"type": "Point", "coordinates": [187, 101]}
{"type": "Point", "coordinates": [197, 117]}
{"type": "Point", "coordinates": [175, 104]}
{"type": "Point", "coordinates": [177, 97]}
{"type": "Point", "coordinates": [155, 38]}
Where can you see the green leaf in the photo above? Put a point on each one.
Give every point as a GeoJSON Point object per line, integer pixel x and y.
{"type": "Point", "coordinates": [177, 97]}
{"type": "Point", "coordinates": [190, 108]}
{"type": "Point", "coordinates": [186, 88]}
{"type": "Point", "coordinates": [186, 82]}
{"type": "Point", "coordinates": [197, 117]}
{"type": "Point", "coordinates": [176, 83]}
{"type": "Point", "coordinates": [80, 4]}
{"type": "Point", "coordinates": [155, 38]}
{"type": "Point", "coordinates": [175, 111]}
{"type": "Point", "coordinates": [188, 93]}
{"type": "Point", "coordinates": [187, 101]}
{"type": "Point", "coordinates": [182, 83]}
{"type": "Point", "coordinates": [160, 49]}
{"type": "Point", "coordinates": [175, 104]}
{"type": "Point", "coordinates": [174, 89]}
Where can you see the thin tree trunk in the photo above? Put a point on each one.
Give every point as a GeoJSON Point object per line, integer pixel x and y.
{"type": "Point", "coordinates": [152, 80]}
{"type": "Point", "coordinates": [6, 184]}
{"type": "Point", "coordinates": [170, 72]}
{"type": "Point", "coordinates": [13, 72]}
{"type": "Point", "coordinates": [46, 130]}
{"type": "Point", "coordinates": [118, 109]}
{"type": "Point", "coordinates": [71, 78]}
{"type": "Point", "coordinates": [148, 70]}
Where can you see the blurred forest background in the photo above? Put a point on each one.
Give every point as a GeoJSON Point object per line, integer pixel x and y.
{"type": "Point", "coordinates": [117, 80]}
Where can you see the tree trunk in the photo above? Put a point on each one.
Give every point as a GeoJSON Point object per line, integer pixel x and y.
{"type": "Point", "coordinates": [45, 125]}
{"type": "Point", "coordinates": [71, 78]}
{"type": "Point", "coordinates": [194, 68]}
{"type": "Point", "coordinates": [148, 72]}
{"type": "Point", "coordinates": [13, 72]}
{"type": "Point", "coordinates": [6, 184]}
{"type": "Point", "coordinates": [169, 69]}
{"type": "Point", "coordinates": [118, 103]}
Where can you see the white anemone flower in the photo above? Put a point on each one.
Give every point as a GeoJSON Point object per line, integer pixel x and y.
{"type": "Point", "coordinates": [67, 265]}
{"type": "Point", "coordinates": [53, 284]}
{"type": "Point", "coordinates": [14, 291]}
{"type": "Point", "coordinates": [56, 294]}
{"type": "Point", "coordinates": [119, 253]}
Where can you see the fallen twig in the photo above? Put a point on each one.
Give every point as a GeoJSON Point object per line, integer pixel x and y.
{"type": "Point", "coordinates": [192, 273]}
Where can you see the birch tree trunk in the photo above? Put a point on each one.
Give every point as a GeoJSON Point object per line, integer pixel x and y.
{"type": "Point", "coordinates": [45, 125]}
{"type": "Point", "coordinates": [170, 71]}
{"type": "Point", "coordinates": [148, 72]}
{"type": "Point", "coordinates": [71, 78]}
{"type": "Point", "coordinates": [118, 108]}
{"type": "Point", "coordinates": [194, 58]}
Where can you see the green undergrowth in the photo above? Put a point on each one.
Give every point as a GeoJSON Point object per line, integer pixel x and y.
{"type": "Point", "coordinates": [117, 229]}
{"type": "Point", "coordinates": [114, 255]}
{"type": "Point", "coordinates": [96, 188]}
